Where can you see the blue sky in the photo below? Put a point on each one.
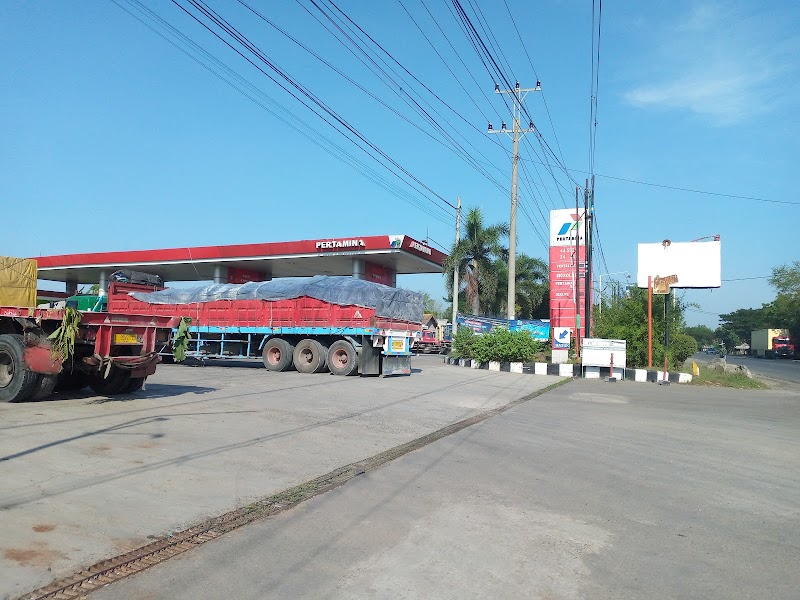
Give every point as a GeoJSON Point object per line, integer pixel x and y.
{"type": "Point", "coordinates": [114, 139]}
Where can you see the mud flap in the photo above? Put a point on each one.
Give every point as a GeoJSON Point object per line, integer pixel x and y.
{"type": "Point", "coordinates": [396, 365]}
{"type": "Point", "coordinates": [369, 358]}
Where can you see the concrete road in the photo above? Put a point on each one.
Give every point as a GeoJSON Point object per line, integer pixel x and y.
{"type": "Point", "coordinates": [87, 478]}
{"type": "Point", "coordinates": [593, 490]}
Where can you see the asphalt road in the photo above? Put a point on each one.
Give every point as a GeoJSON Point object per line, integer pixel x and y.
{"type": "Point", "coordinates": [593, 490]}
{"type": "Point", "coordinates": [781, 369]}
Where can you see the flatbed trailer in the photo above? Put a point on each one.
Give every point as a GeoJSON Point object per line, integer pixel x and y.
{"type": "Point", "coordinates": [113, 353]}
{"type": "Point", "coordinates": [305, 333]}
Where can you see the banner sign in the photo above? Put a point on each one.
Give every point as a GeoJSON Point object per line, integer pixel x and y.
{"type": "Point", "coordinates": [596, 352]}
{"type": "Point", "coordinates": [538, 328]}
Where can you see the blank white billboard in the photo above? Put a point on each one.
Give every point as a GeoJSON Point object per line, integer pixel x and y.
{"type": "Point", "coordinates": [696, 264]}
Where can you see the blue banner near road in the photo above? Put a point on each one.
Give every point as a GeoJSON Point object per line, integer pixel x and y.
{"type": "Point", "coordinates": [538, 328]}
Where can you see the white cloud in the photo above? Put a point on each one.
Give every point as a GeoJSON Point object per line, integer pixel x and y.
{"type": "Point", "coordinates": [719, 63]}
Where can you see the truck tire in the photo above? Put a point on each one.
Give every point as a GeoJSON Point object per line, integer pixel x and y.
{"type": "Point", "coordinates": [16, 381]}
{"type": "Point", "coordinates": [277, 354]}
{"type": "Point", "coordinates": [309, 356]}
{"type": "Point", "coordinates": [71, 381]}
{"type": "Point", "coordinates": [116, 383]}
{"type": "Point", "coordinates": [134, 384]}
{"type": "Point", "coordinates": [342, 358]}
{"type": "Point", "coordinates": [44, 388]}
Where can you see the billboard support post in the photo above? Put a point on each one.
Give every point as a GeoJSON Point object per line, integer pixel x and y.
{"type": "Point", "coordinates": [649, 322]}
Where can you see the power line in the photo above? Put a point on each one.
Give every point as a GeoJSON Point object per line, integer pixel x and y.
{"type": "Point", "coordinates": [213, 65]}
{"type": "Point", "coordinates": [303, 91]}
{"type": "Point", "coordinates": [535, 74]}
{"type": "Point", "coordinates": [748, 278]}
{"type": "Point", "coordinates": [401, 89]}
{"type": "Point", "coordinates": [694, 191]}
{"type": "Point", "coordinates": [454, 146]}
{"type": "Point", "coordinates": [679, 189]}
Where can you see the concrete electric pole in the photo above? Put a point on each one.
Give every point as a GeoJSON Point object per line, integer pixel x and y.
{"type": "Point", "coordinates": [517, 134]}
{"type": "Point", "coordinates": [455, 269]}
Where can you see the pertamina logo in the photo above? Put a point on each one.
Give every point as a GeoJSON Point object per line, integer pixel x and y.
{"type": "Point", "coordinates": [567, 229]}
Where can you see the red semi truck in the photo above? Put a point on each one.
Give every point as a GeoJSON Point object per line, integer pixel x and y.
{"type": "Point", "coordinates": [113, 352]}
{"type": "Point", "coordinates": [338, 324]}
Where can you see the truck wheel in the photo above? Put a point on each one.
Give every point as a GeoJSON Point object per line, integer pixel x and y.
{"type": "Point", "coordinates": [44, 388]}
{"type": "Point", "coordinates": [309, 356]}
{"type": "Point", "coordinates": [277, 354]}
{"type": "Point", "coordinates": [134, 384]}
{"type": "Point", "coordinates": [16, 381]}
{"type": "Point", "coordinates": [116, 382]}
{"type": "Point", "coordinates": [342, 358]}
{"type": "Point", "coordinates": [71, 381]}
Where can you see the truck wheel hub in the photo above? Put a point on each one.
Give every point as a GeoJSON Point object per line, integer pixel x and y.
{"type": "Point", "coordinates": [6, 369]}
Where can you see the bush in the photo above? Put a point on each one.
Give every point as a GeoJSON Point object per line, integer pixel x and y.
{"type": "Point", "coordinates": [681, 347]}
{"type": "Point", "coordinates": [505, 346]}
{"type": "Point", "coordinates": [463, 343]}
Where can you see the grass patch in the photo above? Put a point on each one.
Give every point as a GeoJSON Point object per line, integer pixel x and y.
{"type": "Point", "coordinates": [740, 381]}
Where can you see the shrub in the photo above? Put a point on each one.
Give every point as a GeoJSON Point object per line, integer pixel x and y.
{"type": "Point", "coordinates": [463, 343]}
{"type": "Point", "coordinates": [681, 347]}
{"type": "Point", "coordinates": [505, 346]}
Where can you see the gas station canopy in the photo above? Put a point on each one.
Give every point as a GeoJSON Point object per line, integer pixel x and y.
{"type": "Point", "coordinates": [374, 258]}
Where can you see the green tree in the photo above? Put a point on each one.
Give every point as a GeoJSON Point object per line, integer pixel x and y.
{"type": "Point", "coordinates": [743, 321]}
{"type": "Point", "coordinates": [532, 288]}
{"type": "Point", "coordinates": [627, 320]}
{"type": "Point", "coordinates": [433, 306]}
{"type": "Point", "coordinates": [682, 346]}
{"type": "Point", "coordinates": [785, 309]}
{"type": "Point", "coordinates": [704, 336]}
{"type": "Point", "coordinates": [729, 338]}
{"type": "Point", "coordinates": [474, 256]}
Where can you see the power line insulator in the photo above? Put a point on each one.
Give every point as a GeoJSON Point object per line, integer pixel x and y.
{"type": "Point", "coordinates": [496, 87]}
{"type": "Point", "coordinates": [538, 83]}
{"type": "Point", "coordinates": [490, 126]}
{"type": "Point", "coordinates": [517, 86]}
{"type": "Point", "coordinates": [503, 126]}
{"type": "Point", "coordinates": [530, 125]}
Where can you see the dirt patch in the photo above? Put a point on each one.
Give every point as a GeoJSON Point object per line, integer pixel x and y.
{"type": "Point", "coordinates": [33, 557]}
{"type": "Point", "coordinates": [44, 527]}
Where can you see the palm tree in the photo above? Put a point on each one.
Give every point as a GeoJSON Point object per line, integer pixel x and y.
{"type": "Point", "coordinates": [473, 256]}
{"type": "Point", "coordinates": [532, 288]}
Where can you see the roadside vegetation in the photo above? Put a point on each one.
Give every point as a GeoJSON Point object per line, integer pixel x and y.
{"type": "Point", "coordinates": [500, 345]}
{"type": "Point", "coordinates": [782, 313]}
{"type": "Point", "coordinates": [740, 381]}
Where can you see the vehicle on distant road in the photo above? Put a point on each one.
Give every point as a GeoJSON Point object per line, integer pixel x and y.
{"type": "Point", "coordinates": [771, 343]}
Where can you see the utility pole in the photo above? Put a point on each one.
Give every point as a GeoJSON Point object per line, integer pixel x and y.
{"type": "Point", "coordinates": [455, 268]}
{"type": "Point", "coordinates": [517, 134]}
{"type": "Point", "coordinates": [588, 202]}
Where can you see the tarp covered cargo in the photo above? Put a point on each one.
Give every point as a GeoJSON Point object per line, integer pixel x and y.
{"type": "Point", "coordinates": [17, 282]}
{"type": "Point", "coordinates": [388, 302]}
